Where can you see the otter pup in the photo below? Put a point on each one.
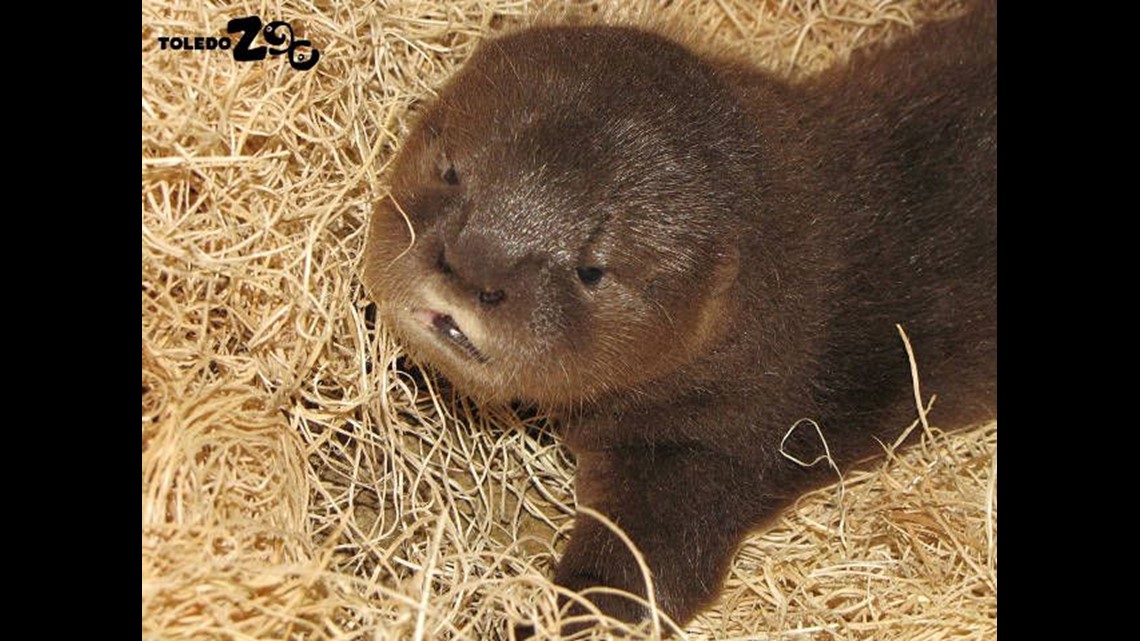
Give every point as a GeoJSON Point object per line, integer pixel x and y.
{"type": "Point", "coordinates": [682, 257]}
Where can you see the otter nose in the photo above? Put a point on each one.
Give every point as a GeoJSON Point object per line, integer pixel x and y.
{"type": "Point", "coordinates": [478, 265]}
{"type": "Point", "coordinates": [493, 297]}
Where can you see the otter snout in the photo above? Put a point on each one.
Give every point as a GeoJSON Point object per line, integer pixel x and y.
{"type": "Point", "coordinates": [480, 267]}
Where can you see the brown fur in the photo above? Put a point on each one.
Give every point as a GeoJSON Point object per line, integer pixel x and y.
{"type": "Point", "coordinates": [757, 242]}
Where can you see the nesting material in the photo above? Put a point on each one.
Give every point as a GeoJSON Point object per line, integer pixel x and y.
{"type": "Point", "coordinates": [301, 480]}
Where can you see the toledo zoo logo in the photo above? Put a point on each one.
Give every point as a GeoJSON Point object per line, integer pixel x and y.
{"type": "Point", "coordinates": [278, 34]}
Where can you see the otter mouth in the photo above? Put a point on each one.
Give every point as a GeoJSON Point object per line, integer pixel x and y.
{"type": "Point", "coordinates": [447, 329]}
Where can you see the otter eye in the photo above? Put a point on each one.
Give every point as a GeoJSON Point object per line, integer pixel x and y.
{"type": "Point", "coordinates": [590, 276]}
{"type": "Point", "coordinates": [450, 176]}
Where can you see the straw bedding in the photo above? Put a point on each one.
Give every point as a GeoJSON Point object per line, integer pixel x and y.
{"type": "Point", "coordinates": [301, 480]}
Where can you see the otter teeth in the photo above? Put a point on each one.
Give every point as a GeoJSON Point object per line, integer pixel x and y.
{"type": "Point", "coordinates": [445, 325]}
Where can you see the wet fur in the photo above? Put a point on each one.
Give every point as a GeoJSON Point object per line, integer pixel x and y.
{"type": "Point", "coordinates": [798, 225]}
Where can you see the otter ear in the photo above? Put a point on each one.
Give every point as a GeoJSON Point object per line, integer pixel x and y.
{"type": "Point", "coordinates": [726, 268]}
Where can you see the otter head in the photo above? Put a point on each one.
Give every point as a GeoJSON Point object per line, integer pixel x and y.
{"type": "Point", "coordinates": [562, 219]}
